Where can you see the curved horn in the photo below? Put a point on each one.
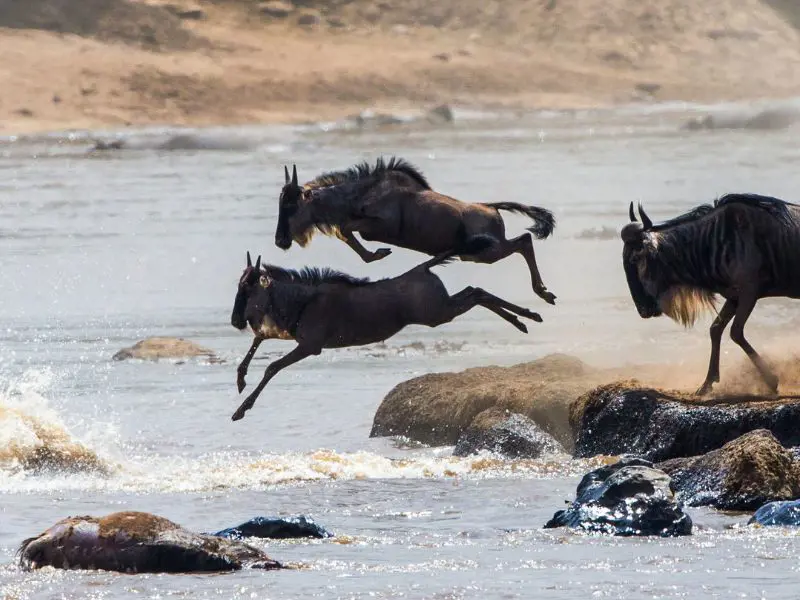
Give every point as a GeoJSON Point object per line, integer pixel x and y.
{"type": "Point", "coordinates": [249, 260]}
{"type": "Point", "coordinates": [286, 173]}
{"type": "Point", "coordinates": [294, 174]}
{"type": "Point", "coordinates": [258, 264]}
{"type": "Point", "coordinates": [631, 213]}
{"type": "Point", "coordinates": [645, 219]}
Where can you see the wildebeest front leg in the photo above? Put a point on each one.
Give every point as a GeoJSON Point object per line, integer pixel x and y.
{"type": "Point", "coordinates": [743, 309]}
{"type": "Point", "coordinates": [367, 256]}
{"type": "Point", "coordinates": [241, 370]}
{"type": "Point", "coordinates": [274, 367]}
{"type": "Point", "coordinates": [717, 328]}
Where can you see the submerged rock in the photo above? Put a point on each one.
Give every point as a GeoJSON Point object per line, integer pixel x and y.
{"type": "Point", "coordinates": [780, 514]}
{"type": "Point", "coordinates": [436, 409]}
{"type": "Point", "coordinates": [510, 434]}
{"type": "Point", "coordinates": [619, 419]}
{"type": "Point", "coordinates": [136, 542]}
{"type": "Point", "coordinates": [742, 475]}
{"type": "Point", "coordinates": [276, 528]}
{"type": "Point", "coordinates": [156, 348]}
{"type": "Point", "coordinates": [628, 498]}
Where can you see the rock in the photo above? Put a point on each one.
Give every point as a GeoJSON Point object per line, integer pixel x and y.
{"type": "Point", "coordinates": [309, 18]}
{"type": "Point", "coordinates": [101, 145]}
{"type": "Point", "coordinates": [188, 13]}
{"type": "Point", "coordinates": [335, 22]}
{"type": "Point", "coordinates": [781, 514]}
{"type": "Point", "coordinates": [648, 88]}
{"type": "Point", "coordinates": [435, 409]}
{"type": "Point", "coordinates": [156, 348]}
{"type": "Point", "coordinates": [509, 434]}
{"type": "Point", "coordinates": [136, 542]}
{"type": "Point", "coordinates": [742, 475]}
{"type": "Point", "coordinates": [277, 9]}
{"type": "Point", "coordinates": [440, 114]}
{"type": "Point", "coordinates": [24, 112]}
{"type": "Point", "coordinates": [621, 418]}
{"type": "Point", "coordinates": [276, 528]}
{"type": "Point", "coordinates": [442, 56]}
{"type": "Point", "coordinates": [763, 120]}
{"type": "Point", "coordinates": [627, 498]}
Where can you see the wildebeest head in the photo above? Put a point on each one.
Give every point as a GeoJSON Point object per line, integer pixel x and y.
{"type": "Point", "coordinates": [293, 222]}
{"type": "Point", "coordinates": [644, 290]}
{"type": "Point", "coordinates": [247, 283]}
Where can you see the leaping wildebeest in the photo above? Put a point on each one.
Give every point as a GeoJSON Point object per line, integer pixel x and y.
{"type": "Point", "coordinates": [323, 308]}
{"type": "Point", "coordinates": [393, 203]}
{"type": "Point", "coordinates": [743, 248]}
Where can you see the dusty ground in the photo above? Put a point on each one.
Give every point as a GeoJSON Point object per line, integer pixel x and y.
{"type": "Point", "coordinates": [110, 63]}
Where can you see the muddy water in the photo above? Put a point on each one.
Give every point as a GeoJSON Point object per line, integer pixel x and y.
{"type": "Point", "coordinates": [100, 251]}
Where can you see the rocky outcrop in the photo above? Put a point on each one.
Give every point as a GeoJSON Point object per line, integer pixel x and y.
{"type": "Point", "coordinates": [157, 348]}
{"type": "Point", "coordinates": [628, 498]}
{"type": "Point", "coordinates": [136, 542]}
{"type": "Point", "coordinates": [276, 528]}
{"type": "Point", "coordinates": [742, 475]}
{"type": "Point", "coordinates": [622, 418]}
{"type": "Point", "coordinates": [780, 514]}
{"type": "Point", "coordinates": [509, 434]}
{"type": "Point", "coordinates": [436, 409]}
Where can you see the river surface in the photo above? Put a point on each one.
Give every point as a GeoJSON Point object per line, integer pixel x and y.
{"type": "Point", "coordinates": [101, 250]}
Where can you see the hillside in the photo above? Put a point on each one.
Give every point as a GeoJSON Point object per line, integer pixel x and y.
{"type": "Point", "coordinates": [100, 63]}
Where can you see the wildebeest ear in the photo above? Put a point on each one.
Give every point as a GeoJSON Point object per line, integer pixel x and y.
{"type": "Point", "coordinates": [294, 175]}
{"type": "Point", "coordinates": [249, 260]}
{"type": "Point", "coordinates": [286, 173]}
{"type": "Point", "coordinates": [630, 212]}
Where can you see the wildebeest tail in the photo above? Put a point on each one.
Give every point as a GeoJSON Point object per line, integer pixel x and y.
{"type": "Point", "coordinates": [544, 222]}
{"type": "Point", "coordinates": [472, 245]}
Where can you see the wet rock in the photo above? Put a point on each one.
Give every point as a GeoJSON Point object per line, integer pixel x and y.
{"type": "Point", "coordinates": [276, 9]}
{"type": "Point", "coordinates": [440, 114]}
{"type": "Point", "coordinates": [101, 146]}
{"type": "Point", "coordinates": [309, 18]}
{"type": "Point", "coordinates": [742, 475]}
{"type": "Point", "coordinates": [621, 418]}
{"type": "Point", "coordinates": [764, 120]}
{"type": "Point", "coordinates": [780, 514]}
{"type": "Point", "coordinates": [136, 542]}
{"type": "Point", "coordinates": [276, 528]}
{"type": "Point", "coordinates": [435, 409]}
{"type": "Point", "coordinates": [512, 435]}
{"type": "Point", "coordinates": [628, 498]}
{"type": "Point", "coordinates": [156, 348]}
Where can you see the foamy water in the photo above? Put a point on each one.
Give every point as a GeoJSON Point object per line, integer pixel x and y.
{"type": "Point", "coordinates": [101, 251]}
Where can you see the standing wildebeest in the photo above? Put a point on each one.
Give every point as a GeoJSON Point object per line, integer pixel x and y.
{"type": "Point", "coordinates": [744, 247]}
{"type": "Point", "coordinates": [393, 203]}
{"type": "Point", "coordinates": [322, 308]}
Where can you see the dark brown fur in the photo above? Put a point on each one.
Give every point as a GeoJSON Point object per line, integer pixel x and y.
{"type": "Point", "coordinates": [334, 311]}
{"type": "Point", "coordinates": [393, 203]}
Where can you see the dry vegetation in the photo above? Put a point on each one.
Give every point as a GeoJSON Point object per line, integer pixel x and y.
{"type": "Point", "coordinates": [115, 62]}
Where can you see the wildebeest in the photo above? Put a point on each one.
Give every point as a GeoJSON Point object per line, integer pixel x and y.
{"type": "Point", "coordinates": [393, 203]}
{"type": "Point", "coordinates": [742, 248]}
{"type": "Point", "coordinates": [322, 308]}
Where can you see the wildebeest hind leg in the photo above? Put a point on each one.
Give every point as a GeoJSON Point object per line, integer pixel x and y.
{"type": "Point", "coordinates": [241, 370]}
{"type": "Point", "coordinates": [296, 355]}
{"type": "Point", "coordinates": [717, 328]}
{"type": "Point", "coordinates": [488, 299]}
{"type": "Point", "coordinates": [743, 310]}
{"type": "Point", "coordinates": [465, 300]}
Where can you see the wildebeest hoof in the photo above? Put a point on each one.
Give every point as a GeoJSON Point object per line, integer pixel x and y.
{"type": "Point", "coordinates": [240, 383]}
{"type": "Point", "coordinates": [548, 297]}
{"type": "Point", "coordinates": [535, 317]}
{"type": "Point", "coordinates": [380, 253]}
{"type": "Point", "coordinates": [238, 415]}
{"type": "Point", "coordinates": [704, 389]}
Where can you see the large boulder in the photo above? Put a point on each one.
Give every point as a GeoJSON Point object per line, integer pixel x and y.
{"type": "Point", "coordinates": [623, 418]}
{"type": "Point", "coordinates": [158, 348]}
{"type": "Point", "coordinates": [509, 434]}
{"type": "Point", "coordinates": [780, 514]}
{"type": "Point", "coordinates": [276, 528]}
{"type": "Point", "coordinates": [136, 542]}
{"type": "Point", "coordinates": [742, 475]}
{"type": "Point", "coordinates": [436, 409]}
{"type": "Point", "coordinates": [628, 498]}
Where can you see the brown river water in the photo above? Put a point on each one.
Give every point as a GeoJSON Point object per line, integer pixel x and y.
{"type": "Point", "coordinates": [99, 251]}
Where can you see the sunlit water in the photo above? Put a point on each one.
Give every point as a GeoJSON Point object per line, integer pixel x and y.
{"type": "Point", "coordinates": [101, 251]}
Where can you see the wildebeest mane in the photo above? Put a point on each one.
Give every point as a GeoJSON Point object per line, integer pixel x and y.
{"type": "Point", "coordinates": [313, 276]}
{"type": "Point", "coordinates": [364, 171]}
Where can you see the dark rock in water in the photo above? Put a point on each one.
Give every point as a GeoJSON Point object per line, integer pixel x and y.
{"type": "Point", "coordinates": [629, 498]}
{"type": "Point", "coordinates": [135, 542]}
{"type": "Point", "coordinates": [780, 514]}
{"type": "Point", "coordinates": [742, 475]}
{"type": "Point", "coordinates": [158, 348]}
{"type": "Point", "coordinates": [764, 120]}
{"type": "Point", "coordinates": [615, 419]}
{"type": "Point", "coordinates": [510, 434]}
{"type": "Point", "coordinates": [276, 528]}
